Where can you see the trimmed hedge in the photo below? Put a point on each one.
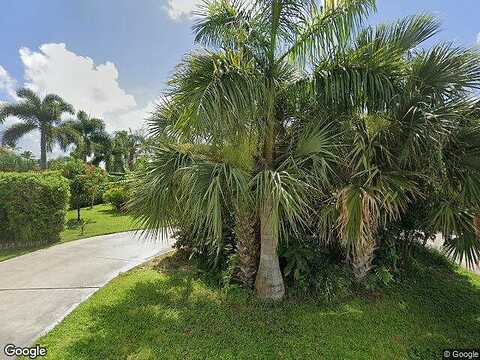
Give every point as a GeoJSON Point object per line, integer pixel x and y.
{"type": "Point", "coordinates": [32, 208]}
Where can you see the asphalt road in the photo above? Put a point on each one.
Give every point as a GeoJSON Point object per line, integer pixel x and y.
{"type": "Point", "coordinates": [39, 289]}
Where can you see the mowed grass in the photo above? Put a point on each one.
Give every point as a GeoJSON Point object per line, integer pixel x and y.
{"type": "Point", "coordinates": [103, 220]}
{"type": "Point", "coordinates": [170, 310]}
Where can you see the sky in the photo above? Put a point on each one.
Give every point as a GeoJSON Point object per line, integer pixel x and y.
{"type": "Point", "coordinates": [112, 58]}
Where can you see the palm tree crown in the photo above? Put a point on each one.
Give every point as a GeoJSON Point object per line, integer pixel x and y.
{"type": "Point", "coordinates": [89, 129]}
{"type": "Point", "coordinates": [299, 116]}
{"type": "Point", "coordinates": [38, 114]}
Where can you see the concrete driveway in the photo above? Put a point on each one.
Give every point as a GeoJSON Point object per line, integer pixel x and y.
{"type": "Point", "coordinates": [39, 289]}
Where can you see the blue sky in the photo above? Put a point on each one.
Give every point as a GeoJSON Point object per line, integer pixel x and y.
{"type": "Point", "coordinates": [117, 54]}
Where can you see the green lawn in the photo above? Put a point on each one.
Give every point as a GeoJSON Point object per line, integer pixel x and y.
{"type": "Point", "coordinates": [103, 221]}
{"type": "Point", "coordinates": [170, 310]}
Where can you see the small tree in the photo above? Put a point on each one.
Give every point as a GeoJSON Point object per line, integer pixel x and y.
{"type": "Point", "coordinates": [79, 192]}
{"type": "Point", "coordinates": [95, 179]}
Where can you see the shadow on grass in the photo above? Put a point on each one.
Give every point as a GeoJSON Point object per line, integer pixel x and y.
{"type": "Point", "coordinates": [178, 315]}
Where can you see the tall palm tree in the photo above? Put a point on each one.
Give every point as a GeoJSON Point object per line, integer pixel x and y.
{"type": "Point", "coordinates": [103, 150]}
{"type": "Point", "coordinates": [89, 128]}
{"type": "Point", "coordinates": [135, 142]}
{"type": "Point", "coordinates": [297, 114]}
{"type": "Point", "coordinates": [117, 152]}
{"type": "Point", "coordinates": [39, 114]}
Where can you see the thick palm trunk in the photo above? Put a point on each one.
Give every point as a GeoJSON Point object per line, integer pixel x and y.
{"type": "Point", "coordinates": [247, 247]}
{"type": "Point", "coordinates": [43, 149]}
{"type": "Point", "coordinates": [269, 282]}
{"type": "Point", "coordinates": [362, 261]}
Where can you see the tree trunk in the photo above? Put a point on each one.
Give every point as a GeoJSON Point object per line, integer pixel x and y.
{"type": "Point", "coordinates": [247, 247]}
{"type": "Point", "coordinates": [43, 149]}
{"type": "Point", "coordinates": [269, 282]}
{"type": "Point", "coordinates": [362, 261]}
{"type": "Point", "coordinates": [78, 213]}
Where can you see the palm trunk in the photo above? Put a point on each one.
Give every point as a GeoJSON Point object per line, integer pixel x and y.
{"type": "Point", "coordinates": [43, 149]}
{"type": "Point", "coordinates": [269, 282]}
{"type": "Point", "coordinates": [362, 261]}
{"type": "Point", "coordinates": [247, 247]}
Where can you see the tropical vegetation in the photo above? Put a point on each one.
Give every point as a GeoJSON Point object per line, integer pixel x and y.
{"type": "Point", "coordinates": [298, 124]}
{"type": "Point", "coordinates": [32, 208]}
{"type": "Point", "coordinates": [43, 115]}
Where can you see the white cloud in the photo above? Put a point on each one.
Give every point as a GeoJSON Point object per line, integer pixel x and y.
{"type": "Point", "coordinates": [87, 86]}
{"type": "Point", "coordinates": [7, 83]}
{"type": "Point", "coordinates": [179, 8]}
{"type": "Point", "coordinates": [133, 119]}
{"type": "Point", "coordinates": [478, 39]}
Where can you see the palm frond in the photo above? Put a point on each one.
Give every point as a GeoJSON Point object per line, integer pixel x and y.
{"type": "Point", "coordinates": [327, 30]}
{"type": "Point", "coordinates": [16, 131]}
{"type": "Point", "coordinates": [218, 92]}
{"type": "Point", "coordinates": [25, 111]}
{"type": "Point", "coordinates": [464, 248]}
{"type": "Point", "coordinates": [288, 197]}
{"type": "Point", "coordinates": [400, 36]}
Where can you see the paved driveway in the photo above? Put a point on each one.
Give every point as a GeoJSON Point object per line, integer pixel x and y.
{"type": "Point", "coordinates": [39, 289]}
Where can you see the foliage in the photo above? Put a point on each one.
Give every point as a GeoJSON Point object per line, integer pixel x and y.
{"type": "Point", "coordinates": [314, 272]}
{"type": "Point", "coordinates": [119, 152]}
{"type": "Point", "coordinates": [39, 114]}
{"type": "Point", "coordinates": [117, 195]}
{"type": "Point", "coordinates": [174, 305]}
{"type": "Point", "coordinates": [12, 162]}
{"type": "Point", "coordinates": [90, 130]}
{"type": "Point", "coordinates": [87, 182]}
{"type": "Point", "coordinates": [32, 208]}
{"type": "Point", "coordinates": [322, 127]}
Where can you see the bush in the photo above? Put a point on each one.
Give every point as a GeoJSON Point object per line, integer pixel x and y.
{"type": "Point", "coordinates": [87, 182]}
{"type": "Point", "coordinates": [32, 208]}
{"type": "Point", "coordinates": [117, 195]}
{"type": "Point", "coordinates": [10, 161]}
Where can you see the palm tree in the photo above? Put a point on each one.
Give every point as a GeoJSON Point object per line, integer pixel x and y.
{"type": "Point", "coordinates": [39, 114]}
{"type": "Point", "coordinates": [296, 115]}
{"type": "Point", "coordinates": [103, 150]}
{"type": "Point", "coordinates": [117, 152]}
{"type": "Point", "coordinates": [135, 142]}
{"type": "Point", "coordinates": [89, 128]}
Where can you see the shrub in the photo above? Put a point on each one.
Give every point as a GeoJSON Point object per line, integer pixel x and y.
{"type": "Point", "coordinates": [10, 161]}
{"type": "Point", "coordinates": [87, 182]}
{"type": "Point", "coordinates": [117, 195]}
{"type": "Point", "coordinates": [32, 208]}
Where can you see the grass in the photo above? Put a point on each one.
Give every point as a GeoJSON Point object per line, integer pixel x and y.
{"type": "Point", "coordinates": [171, 310]}
{"type": "Point", "coordinates": [103, 220]}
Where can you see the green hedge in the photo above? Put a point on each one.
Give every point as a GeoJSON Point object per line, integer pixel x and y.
{"type": "Point", "coordinates": [32, 208]}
